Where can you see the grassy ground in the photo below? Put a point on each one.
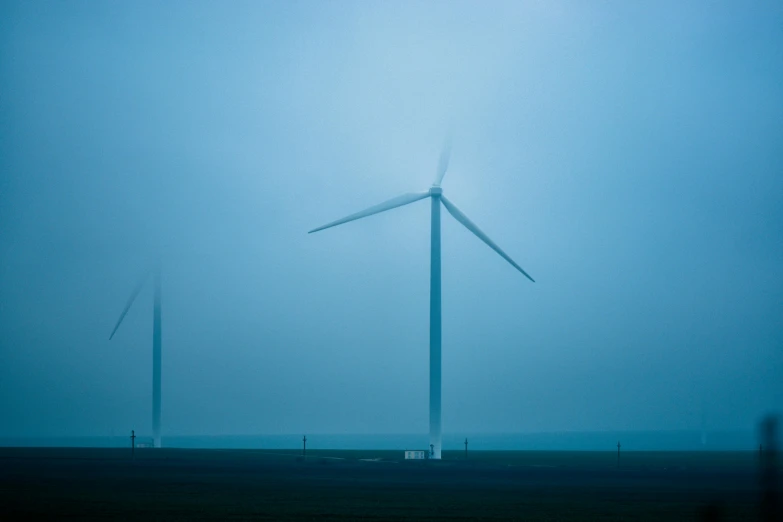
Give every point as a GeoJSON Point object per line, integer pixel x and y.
{"type": "Point", "coordinates": [170, 484]}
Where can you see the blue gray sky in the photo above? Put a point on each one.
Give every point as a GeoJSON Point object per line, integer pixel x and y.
{"type": "Point", "coordinates": [628, 155]}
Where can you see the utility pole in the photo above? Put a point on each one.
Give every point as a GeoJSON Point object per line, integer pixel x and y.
{"type": "Point", "coordinates": [466, 448]}
{"type": "Point", "coordinates": [770, 499]}
{"type": "Point", "coordinates": [618, 453]}
{"type": "Point", "coordinates": [133, 444]}
{"type": "Point", "coordinates": [304, 445]}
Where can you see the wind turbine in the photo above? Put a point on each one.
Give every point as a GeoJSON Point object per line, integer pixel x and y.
{"type": "Point", "coordinates": [156, 344]}
{"type": "Point", "coordinates": [435, 193]}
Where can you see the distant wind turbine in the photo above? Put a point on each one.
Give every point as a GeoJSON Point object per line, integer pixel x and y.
{"type": "Point", "coordinates": [156, 344]}
{"type": "Point", "coordinates": [436, 194]}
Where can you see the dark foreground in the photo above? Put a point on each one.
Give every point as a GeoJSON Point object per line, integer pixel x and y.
{"type": "Point", "coordinates": [170, 484]}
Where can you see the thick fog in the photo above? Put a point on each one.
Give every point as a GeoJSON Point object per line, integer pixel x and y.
{"type": "Point", "coordinates": [628, 155]}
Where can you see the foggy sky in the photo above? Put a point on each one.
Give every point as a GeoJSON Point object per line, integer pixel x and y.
{"type": "Point", "coordinates": [628, 155]}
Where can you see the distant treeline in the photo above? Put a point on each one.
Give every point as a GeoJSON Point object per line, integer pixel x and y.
{"type": "Point", "coordinates": [573, 441]}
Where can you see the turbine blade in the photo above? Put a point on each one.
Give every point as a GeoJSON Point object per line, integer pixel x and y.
{"type": "Point", "coordinates": [130, 302]}
{"type": "Point", "coordinates": [462, 218]}
{"type": "Point", "coordinates": [443, 162]}
{"type": "Point", "coordinates": [381, 207]}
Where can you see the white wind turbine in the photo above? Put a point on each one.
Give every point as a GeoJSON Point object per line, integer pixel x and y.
{"type": "Point", "coordinates": [436, 194]}
{"type": "Point", "coordinates": [156, 344]}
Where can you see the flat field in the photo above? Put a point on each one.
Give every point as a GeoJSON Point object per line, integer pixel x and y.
{"type": "Point", "coordinates": [179, 484]}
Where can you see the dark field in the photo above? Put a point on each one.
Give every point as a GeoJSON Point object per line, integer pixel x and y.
{"type": "Point", "coordinates": [171, 484]}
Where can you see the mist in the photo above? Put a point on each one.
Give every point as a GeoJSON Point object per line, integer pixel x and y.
{"type": "Point", "coordinates": [627, 155]}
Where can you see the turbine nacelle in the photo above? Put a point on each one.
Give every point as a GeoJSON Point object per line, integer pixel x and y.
{"type": "Point", "coordinates": [436, 191]}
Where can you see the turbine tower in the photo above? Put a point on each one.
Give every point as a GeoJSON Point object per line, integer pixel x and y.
{"type": "Point", "coordinates": [156, 344]}
{"type": "Point", "coordinates": [435, 193]}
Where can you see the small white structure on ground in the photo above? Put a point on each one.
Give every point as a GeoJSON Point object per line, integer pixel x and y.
{"type": "Point", "coordinates": [145, 443]}
{"type": "Point", "coordinates": [415, 454]}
